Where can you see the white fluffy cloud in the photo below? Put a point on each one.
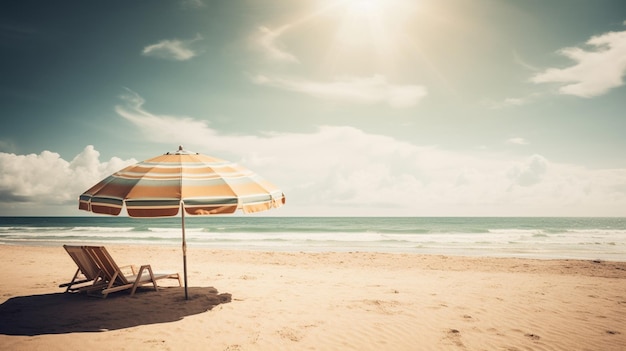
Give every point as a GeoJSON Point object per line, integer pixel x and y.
{"type": "Point", "coordinates": [364, 90]}
{"type": "Point", "coordinates": [596, 71]}
{"type": "Point", "coordinates": [46, 179]}
{"type": "Point", "coordinates": [174, 49]}
{"type": "Point", "coordinates": [339, 170]}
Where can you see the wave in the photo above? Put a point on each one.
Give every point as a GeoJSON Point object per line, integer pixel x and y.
{"type": "Point", "coordinates": [103, 229]}
{"type": "Point", "coordinates": [179, 230]}
{"type": "Point", "coordinates": [557, 237]}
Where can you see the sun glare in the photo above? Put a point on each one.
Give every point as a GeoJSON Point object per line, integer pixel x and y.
{"type": "Point", "coordinates": [366, 23]}
{"type": "Point", "coordinates": [364, 7]}
{"type": "Point", "coordinates": [367, 35]}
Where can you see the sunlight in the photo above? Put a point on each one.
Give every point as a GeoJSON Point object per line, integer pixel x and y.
{"type": "Point", "coordinates": [364, 7]}
{"type": "Point", "coordinates": [358, 37]}
{"type": "Point", "coordinates": [368, 28]}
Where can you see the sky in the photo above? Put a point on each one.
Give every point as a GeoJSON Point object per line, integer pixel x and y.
{"type": "Point", "coordinates": [351, 107]}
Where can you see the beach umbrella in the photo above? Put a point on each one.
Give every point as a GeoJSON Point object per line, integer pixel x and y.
{"type": "Point", "coordinates": [193, 183]}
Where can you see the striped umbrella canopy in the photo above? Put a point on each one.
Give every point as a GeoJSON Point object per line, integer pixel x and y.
{"type": "Point", "coordinates": [196, 183]}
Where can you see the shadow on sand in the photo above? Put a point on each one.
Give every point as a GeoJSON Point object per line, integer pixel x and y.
{"type": "Point", "coordinates": [62, 313]}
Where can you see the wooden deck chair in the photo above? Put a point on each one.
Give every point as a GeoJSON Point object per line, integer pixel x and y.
{"type": "Point", "coordinates": [117, 279]}
{"type": "Point", "coordinates": [87, 272]}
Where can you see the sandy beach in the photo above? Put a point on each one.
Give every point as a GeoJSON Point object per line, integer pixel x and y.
{"type": "Point", "coordinates": [244, 300]}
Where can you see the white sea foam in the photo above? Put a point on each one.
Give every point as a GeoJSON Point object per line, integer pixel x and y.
{"type": "Point", "coordinates": [542, 238]}
{"type": "Point", "coordinates": [102, 229]}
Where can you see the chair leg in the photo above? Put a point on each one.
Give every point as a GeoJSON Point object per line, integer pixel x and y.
{"type": "Point", "coordinates": [138, 279]}
{"type": "Point", "coordinates": [152, 278]}
{"type": "Point", "coordinates": [73, 279]}
{"type": "Point", "coordinates": [105, 294]}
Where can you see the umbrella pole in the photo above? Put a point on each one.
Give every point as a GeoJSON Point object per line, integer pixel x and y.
{"type": "Point", "coordinates": [184, 249]}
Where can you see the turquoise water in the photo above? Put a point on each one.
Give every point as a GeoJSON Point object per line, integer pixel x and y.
{"type": "Point", "coordinates": [580, 238]}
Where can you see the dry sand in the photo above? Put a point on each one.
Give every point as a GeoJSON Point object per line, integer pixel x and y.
{"type": "Point", "coordinates": [317, 301]}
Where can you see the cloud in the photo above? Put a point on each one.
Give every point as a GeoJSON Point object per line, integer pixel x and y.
{"type": "Point", "coordinates": [363, 90]}
{"type": "Point", "coordinates": [134, 112]}
{"type": "Point", "coordinates": [47, 179]}
{"type": "Point", "coordinates": [596, 71]}
{"type": "Point", "coordinates": [341, 170]}
{"type": "Point", "coordinates": [506, 103]}
{"type": "Point", "coordinates": [530, 172]}
{"type": "Point", "coordinates": [517, 141]}
{"type": "Point", "coordinates": [335, 170]}
{"type": "Point", "coordinates": [193, 4]}
{"type": "Point", "coordinates": [178, 50]}
{"type": "Point", "coordinates": [267, 40]}
{"type": "Point", "coordinates": [514, 101]}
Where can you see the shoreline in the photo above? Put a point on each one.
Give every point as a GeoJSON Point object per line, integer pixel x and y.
{"type": "Point", "coordinates": [337, 250]}
{"type": "Point", "coordinates": [542, 238]}
{"type": "Point", "coordinates": [319, 301]}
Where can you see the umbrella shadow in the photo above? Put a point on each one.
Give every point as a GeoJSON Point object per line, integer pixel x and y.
{"type": "Point", "coordinates": [62, 313]}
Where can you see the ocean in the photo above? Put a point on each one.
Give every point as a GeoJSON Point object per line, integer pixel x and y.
{"type": "Point", "coordinates": [545, 238]}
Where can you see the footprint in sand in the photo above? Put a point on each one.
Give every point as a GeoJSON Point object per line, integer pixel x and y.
{"type": "Point", "coordinates": [454, 336]}
{"type": "Point", "coordinates": [532, 336]}
{"type": "Point", "coordinates": [290, 334]}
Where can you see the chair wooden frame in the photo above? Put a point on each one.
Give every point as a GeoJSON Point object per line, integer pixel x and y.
{"type": "Point", "coordinates": [87, 272]}
{"type": "Point", "coordinates": [117, 280]}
